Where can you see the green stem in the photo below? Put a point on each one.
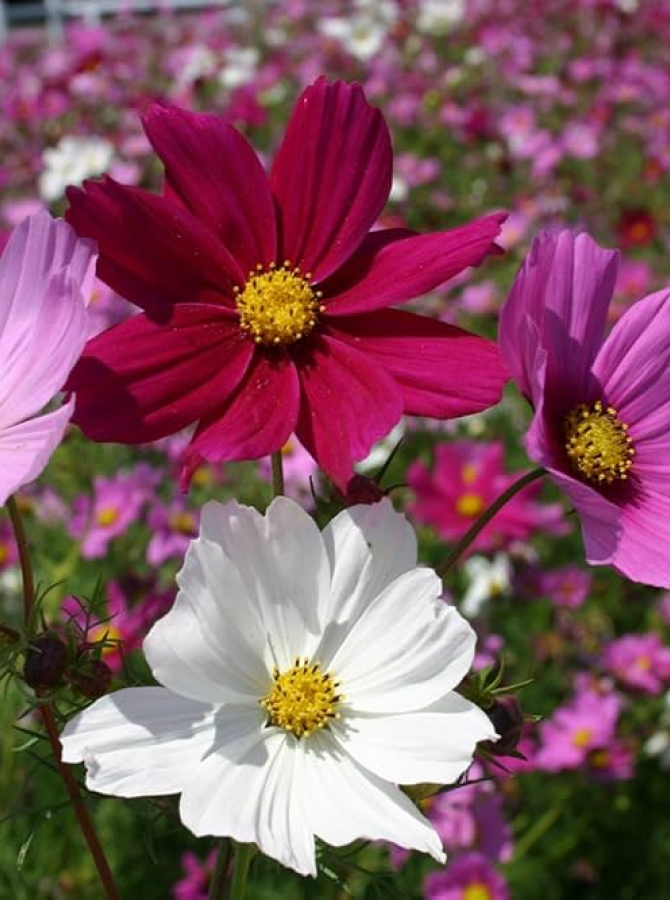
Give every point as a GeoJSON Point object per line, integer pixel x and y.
{"type": "Point", "coordinates": [47, 713]}
{"type": "Point", "coordinates": [243, 856]}
{"type": "Point", "coordinates": [217, 886]}
{"type": "Point", "coordinates": [277, 474]}
{"type": "Point", "coordinates": [24, 558]}
{"type": "Point", "coordinates": [485, 518]}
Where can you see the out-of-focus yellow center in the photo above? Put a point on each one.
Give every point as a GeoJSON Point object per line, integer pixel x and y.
{"type": "Point", "coordinates": [4, 553]}
{"type": "Point", "coordinates": [477, 891]}
{"type": "Point", "coordinates": [582, 738]}
{"type": "Point", "coordinates": [183, 522]}
{"type": "Point", "coordinates": [109, 634]}
{"type": "Point", "coordinates": [302, 699]}
{"type": "Point", "coordinates": [600, 759]}
{"type": "Point", "coordinates": [277, 305]}
{"type": "Point", "coordinates": [107, 515]}
{"type": "Point", "coordinates": [597, 443]}
{"type": "Point", "coordinates": [469, 505]}
{"type": "Point", "coordinates": [643, 663]}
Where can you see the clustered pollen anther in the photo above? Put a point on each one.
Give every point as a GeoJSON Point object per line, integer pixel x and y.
{"type": "Point", "coordinates": [303, 699]}
{"type": "Point", "coordinates": [277, 305]}
{"type": "Point", "coordinates": [598, 444]}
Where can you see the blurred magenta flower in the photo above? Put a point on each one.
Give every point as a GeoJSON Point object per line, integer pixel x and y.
{"type": "Point", "coordinates": [265, 298]}
{"type": "Point", "coordinates": [602, 411]}
{"type": "Point", "coordinates": [468, 476]}
{"type": "Point", "coordinates": [46, 278]}
{"type": "Point", "coordinates": [173, 525]}
{"type": "Point", "coordinates": [639, 661]}
{"type": "Point", "coordinates": [469, 877]}
{"type": "Point", "coordinates": [567, 586]}
{"type": "Point", "coordinates": [195, 883]}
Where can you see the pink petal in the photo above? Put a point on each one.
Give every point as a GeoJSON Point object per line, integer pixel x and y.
{"type": "Point", "coordinates": [216, 174]}
{"type": "Point", "coordinates": [645, 522]}
{"type": "Point", "coordinates": [152, 251]}
{"type": "Point", "coordinates": [139, 381]}
{"type": "Point", "coordinates": [331, 176]}
{"type": "Point", "coordinates": [25, 448]}
{"type": "Point", "coordinates": [43, 322]}
{"type": "Point", "coordinates": [348, 403]}
{"type": "Point", "coordinates": [394, 266]}
{"type": "Point", "coordinates": [441, 370]}
{"type": "Point", "coordinates": [255, 422]}
{"type": "Point", "coordinates": [633, 367]}
{"type": "Point", "coordinates": [564, 286]}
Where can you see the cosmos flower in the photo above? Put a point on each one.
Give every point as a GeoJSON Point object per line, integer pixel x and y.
{"type": "Point", "coordinates": [468, 476]}
{"type": "Point", "coordinates": [265, 297]}
{"type": "Point", "coordinates": [601, 425]}
{"type": "Point", "coordinates": [470, 877]}
{"type": "Point", "coordinates": [46, 278]}
{"type": "Point", "coordinates": [306, 676]}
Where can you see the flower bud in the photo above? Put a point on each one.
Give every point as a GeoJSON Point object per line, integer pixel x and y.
{"type": "Point", "coordinates": [363, 490]}
{"type": "Point", "coordinates": [46, 662]}
{"type": "Point", "coordinates": [508, 720]}
{"type": "Point", "coordinates": [92, 678]}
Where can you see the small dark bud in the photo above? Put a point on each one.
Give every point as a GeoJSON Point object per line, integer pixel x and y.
{"type": "Point", "coordinates": [508, 720]}
{"type": "Point", "coordinates": [92, 678]}
{"type": "Point", "coordinates": [363, 490]}
{"type": "Point", "coordinates": [46, 662]}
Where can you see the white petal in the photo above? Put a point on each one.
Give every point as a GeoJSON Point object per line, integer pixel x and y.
{"type": "Point", "coordinates": [139, 742]}
{"type": "Point", "coordinates": [434, 745]}
{"type": "Point", "coordinates": [407, 650]}
{"type": "Point", "coordinates": [253, 799]}
{"type": "Point", "coordinates": [343, 802]}
{"type": "Point", "coordinates": [283, 564]}
{"type": "Point", "coordinates": [210, 645]}
{"type": "Point", "coordinates": [369, 547]}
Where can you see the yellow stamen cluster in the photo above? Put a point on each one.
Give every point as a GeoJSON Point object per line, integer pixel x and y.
{"type": "Point", "coordinates": [477, 891]}
{"type": "Point", "coordinates": [278, 306]}
{"type": "Point", "coordinates": [107, 516]}
{"type": "Point", "coordinates": [470, 505]}
{"type": "Point", "coordinates": [182, 522]}
{"type": "Point", "coordinates": [108, 633]}
{"type": "Point", "coordinates": [597, 443]}
{"type": "Point", "coordinates": [302, 699]}
{"type": "Point", "coordinates": [582, 738]}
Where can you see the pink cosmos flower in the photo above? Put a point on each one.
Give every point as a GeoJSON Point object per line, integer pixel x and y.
{"type": "Point", "coordinates": [265, 297]}
{"type": "Point", "coordinates": [46, 277]}
{"type": "Point", "coordinates": [602, 411]}
{"type": "Point", "coordinates": [581, 734]}
{"type": "Point", "coordinates": [466, 479]}
{"type": "Point", "coordinates": [116, 503]}
{"type": "Point", "coordinates": [173, 527]}
{"type": "Point", "coordinates": [470, 877]}
{"type": "Point", "coordinates": [567, 586]}
{"type": "Point", "coordinates": [639, 661]}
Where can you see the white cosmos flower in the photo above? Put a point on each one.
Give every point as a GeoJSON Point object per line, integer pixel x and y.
{"type": "Point", "coordinates": [72, 161]}
{"type": "Point", "coordinates": [306, 675]}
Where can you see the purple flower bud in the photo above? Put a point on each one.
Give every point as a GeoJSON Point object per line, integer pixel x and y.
{"type": "Point", "coordinates": [363, 490]}
{"type": "Point", "coordinates": [507, 718]}
{"type": "Point", "coordinates": [46, 662]}
{"type": "Point", "coordinates": [92, 678]}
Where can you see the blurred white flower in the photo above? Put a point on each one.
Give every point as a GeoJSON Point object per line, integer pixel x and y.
{"type": "Point", "coordinates": [363, 33]}
{"type": "Point", "coordinates": [383, 449]}
{"type": "Point", "coordinates": [439, 16]}
{"type": "Point", "coordinates": [488, 579]}
{"type": "Point", "coordinates": [306, 676]}
{"type": "Point", "coordinates": [239, 67]}
{"type": "Point", "coordinates": [71, 161]}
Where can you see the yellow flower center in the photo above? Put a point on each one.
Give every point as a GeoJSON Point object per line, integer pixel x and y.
{"type": "Point", "coordinates": [302, 699]}
{"type": "Point", "coordinates": [4, 553]}
{"type": "Point", "coordinates": [107, 515]}
{"type": "Point", "coordinates": [469, 505]}
{"type": "Point", "coordinates": [477, 891]}
{"type": "Point", "coordinates": [109, 634]}
{"type": "Point", "coordinates": [643, 663]}
{"type": "Point", "coordinates": [278, 306]}
{"type": "Point", "coordinates": [597, 443]}
{"type": "Point", "coordinates": [582, 738]}
{"type": "Point", "coordinates": [182, 522]}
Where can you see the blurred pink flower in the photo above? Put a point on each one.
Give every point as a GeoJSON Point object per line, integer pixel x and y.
{"type": "Point", "coordinates": [568, 586]}
{"type": "Point", "coordinates": [639, 661]}
{"type": "Point", "coordinates": [467, 477]}
{"type": "Point", "coordinates": [470, 877]}
{"type": "Point", "coordinates": [195, 883]}
{"type": "Point", "coordinates": [46, 276]}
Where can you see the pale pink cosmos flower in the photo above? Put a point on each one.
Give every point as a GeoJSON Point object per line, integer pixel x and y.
{"type": "Point", "coordinates": [602, 404]}
{"type": "Point", "coordinates": [46, 277]}
{"type": "Point", "coordinates": [639, 661]}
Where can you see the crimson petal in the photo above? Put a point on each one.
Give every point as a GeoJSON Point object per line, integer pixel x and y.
{"type": "Point", "coordinates": [348, 403]}
{"type": "Point", "coordinates": [152, 251]}
{"type": "Point", "coordinates": [442, 370]}
{"type": "Point", "coordinates": [214, 171]}
{"type": "Point", "coordinates": [393, 266]}
{"type": "Point", "coordinates": [140, 381]}
{"type": "Point", "coordinates": [331, 176]}
{"type": "Point", "coordinates": [255, 422]}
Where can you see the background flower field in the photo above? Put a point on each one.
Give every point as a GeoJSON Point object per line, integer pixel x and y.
{"type": "Point", "coordinates": [556, 111]}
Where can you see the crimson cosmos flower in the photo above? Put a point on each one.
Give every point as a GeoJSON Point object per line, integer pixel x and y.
{"type": "Point", "coordinates": [265, 297]}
